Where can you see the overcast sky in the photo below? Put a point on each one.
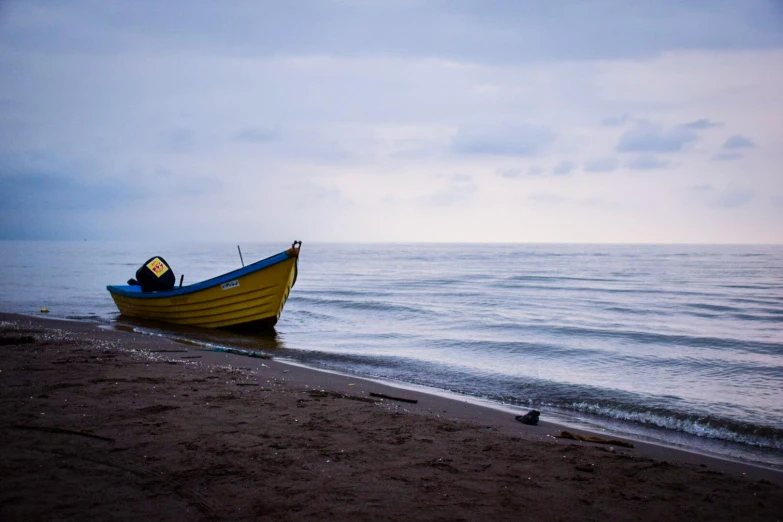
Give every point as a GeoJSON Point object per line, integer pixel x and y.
{"type": "Point", "coordinates": [398, 120]}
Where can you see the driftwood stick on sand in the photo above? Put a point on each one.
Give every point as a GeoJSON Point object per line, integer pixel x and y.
{"type": "Point", "coordinates": [383, 396]}
{"type": "Point", "coordinates": [591, 438]}
{"type": "Point", "coordinates": [61, 430]}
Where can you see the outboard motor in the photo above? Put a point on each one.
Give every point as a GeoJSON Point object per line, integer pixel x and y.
{"type": "Point", "coordinates": [154, 275]}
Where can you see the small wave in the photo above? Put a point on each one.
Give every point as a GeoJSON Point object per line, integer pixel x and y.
{"type": "Point", "coordinates": [701, 314]}
{"type": "Point", "coordinates": [373, 306]}
{"type": "Point", "coordinates": [713, 428]}
{"type": "Point", "coordinates": [713, 308]}
{"type": "Point", "coordinates": [349, 293]}
{"type": "Point", "coordinates": [555, 278]}
{"type": "Point", "coordinates": [669, 339]}
{"type": "Point", "coordinates": [607, 290]}
{"type": "Point", "coordinates": [468, 295]}
{"type": "Point", "coordinates": [711, 365]}
{"type": "Point", "coordinates": [512, 347]}
{"type": "Point", "coordinates": [634, 311]}
{"type": "Point", "coordinates": [751, 287]}
{"type": "Point", "coordinates": [763, 318]}
{"type": "Point", "coordinates": [428, 283]}
{"type": "Point", "coordinates": [762, 302]}
{"type": "Point", "coordinates": [313, 315]}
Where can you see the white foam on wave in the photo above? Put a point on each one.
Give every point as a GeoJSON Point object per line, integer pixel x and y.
{"type": "Point", "coordinates": [699, 427]}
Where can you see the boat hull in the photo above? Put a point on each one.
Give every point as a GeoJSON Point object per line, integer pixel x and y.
{"type": "Point", "coordinates": [250, 298]}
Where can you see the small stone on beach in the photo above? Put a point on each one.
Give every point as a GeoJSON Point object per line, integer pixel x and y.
{"type": "Point", "coordinates": [530, 418]}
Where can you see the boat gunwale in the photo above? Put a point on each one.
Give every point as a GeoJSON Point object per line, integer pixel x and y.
{"type": "Point", "coordinates": [203, 285]}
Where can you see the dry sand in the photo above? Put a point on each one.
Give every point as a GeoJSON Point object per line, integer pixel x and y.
{"type": "Point", "coordinates": [101, 424]}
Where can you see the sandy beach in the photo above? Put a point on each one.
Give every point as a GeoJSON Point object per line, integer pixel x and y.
{"type": "Point", "coordinates": [103, 424]}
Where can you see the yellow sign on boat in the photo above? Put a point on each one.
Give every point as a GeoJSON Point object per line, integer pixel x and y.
{"type": "Point", "coordinates": [157, 267]}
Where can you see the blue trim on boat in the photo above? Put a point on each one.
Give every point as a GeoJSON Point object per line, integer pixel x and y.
{"type": "Point", "coordinates": [135, 291]}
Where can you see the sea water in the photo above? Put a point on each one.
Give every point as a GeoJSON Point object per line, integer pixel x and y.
{"type": "Point", "coordinates": [681, 345]}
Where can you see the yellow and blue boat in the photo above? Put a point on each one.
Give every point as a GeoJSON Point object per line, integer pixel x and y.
{"type": "Point", "coordinates": [251, 297]}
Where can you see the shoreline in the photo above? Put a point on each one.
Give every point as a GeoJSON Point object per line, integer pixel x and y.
{"type": "Point", "coordinates": [649, 447]}
{"type": "Point", "coordinates": [561, 422]}
{"type": "Point", "coordinates": [339, 417]}
{"type": "Point", "coordinates": [462, 407]}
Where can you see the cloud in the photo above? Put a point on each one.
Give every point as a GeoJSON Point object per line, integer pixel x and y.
{"type": "Point", "coordinates": [532, 171]}
{"type": "Point", "coordinates": [595, 201]}
{"type": "Point", "coordinates": [179, 140]}
{"type": "Point", "coordinates": [517, 140]}
{"type": "Point", "coordinates": [509, 173]}
{"type": "Point", "coordinates": [47, 192]}
{"type": "Point", "coordinates": [651, 137]}
{"type": "Point", "coordinates": [566, 167]}
{"type": "Point", "coordinates": [258, 135]}
{"type": "Point", "coordinates": [460, 189]}
{"type": "Point", "coordinates": [37, 205]}
{"type": "Point", "coordinates": [726, 156]}
{"type": "Point", "coordinates": [601, 165]}
{"type": "Point", "coordinates": [322, 194]}
{"type": "Point", "coordinates": [735, 197]}
{"type": "Point", "coordinates": [777, 201]}
{"type": "Point", "coordinates": [545, 198]}
{"type": "Point", "coordinates": [320, 147]}
{"type": "Point", "coordinates": [702, 124]}
{"type": "Point", "coordinates": [729, 197]}
{"type": "Point", "coordinates": [739, 142]}
{"type": "Point", "coordinates": [647, 162]}
{"type": "Point", "coordinates": [616, 121]}
{"type": "Point", "coordinates": [466, 30]}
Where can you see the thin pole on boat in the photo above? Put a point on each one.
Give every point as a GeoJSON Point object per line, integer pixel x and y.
{"type": "Point", "coordinates": [240, 256]}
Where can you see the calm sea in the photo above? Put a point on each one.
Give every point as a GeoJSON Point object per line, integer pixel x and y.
{"type": "Point", "coordinates": [677, 344]}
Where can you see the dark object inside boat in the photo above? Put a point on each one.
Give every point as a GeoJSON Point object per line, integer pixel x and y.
{"type": "Point", "coordinates": [154, 275]}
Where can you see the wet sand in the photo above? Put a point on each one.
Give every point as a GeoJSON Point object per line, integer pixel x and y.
{"type": "Point", "coordinates": [101, 424]}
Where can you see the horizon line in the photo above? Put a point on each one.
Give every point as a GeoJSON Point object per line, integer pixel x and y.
{"type": "Point", "coordinates": [411, 242]}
